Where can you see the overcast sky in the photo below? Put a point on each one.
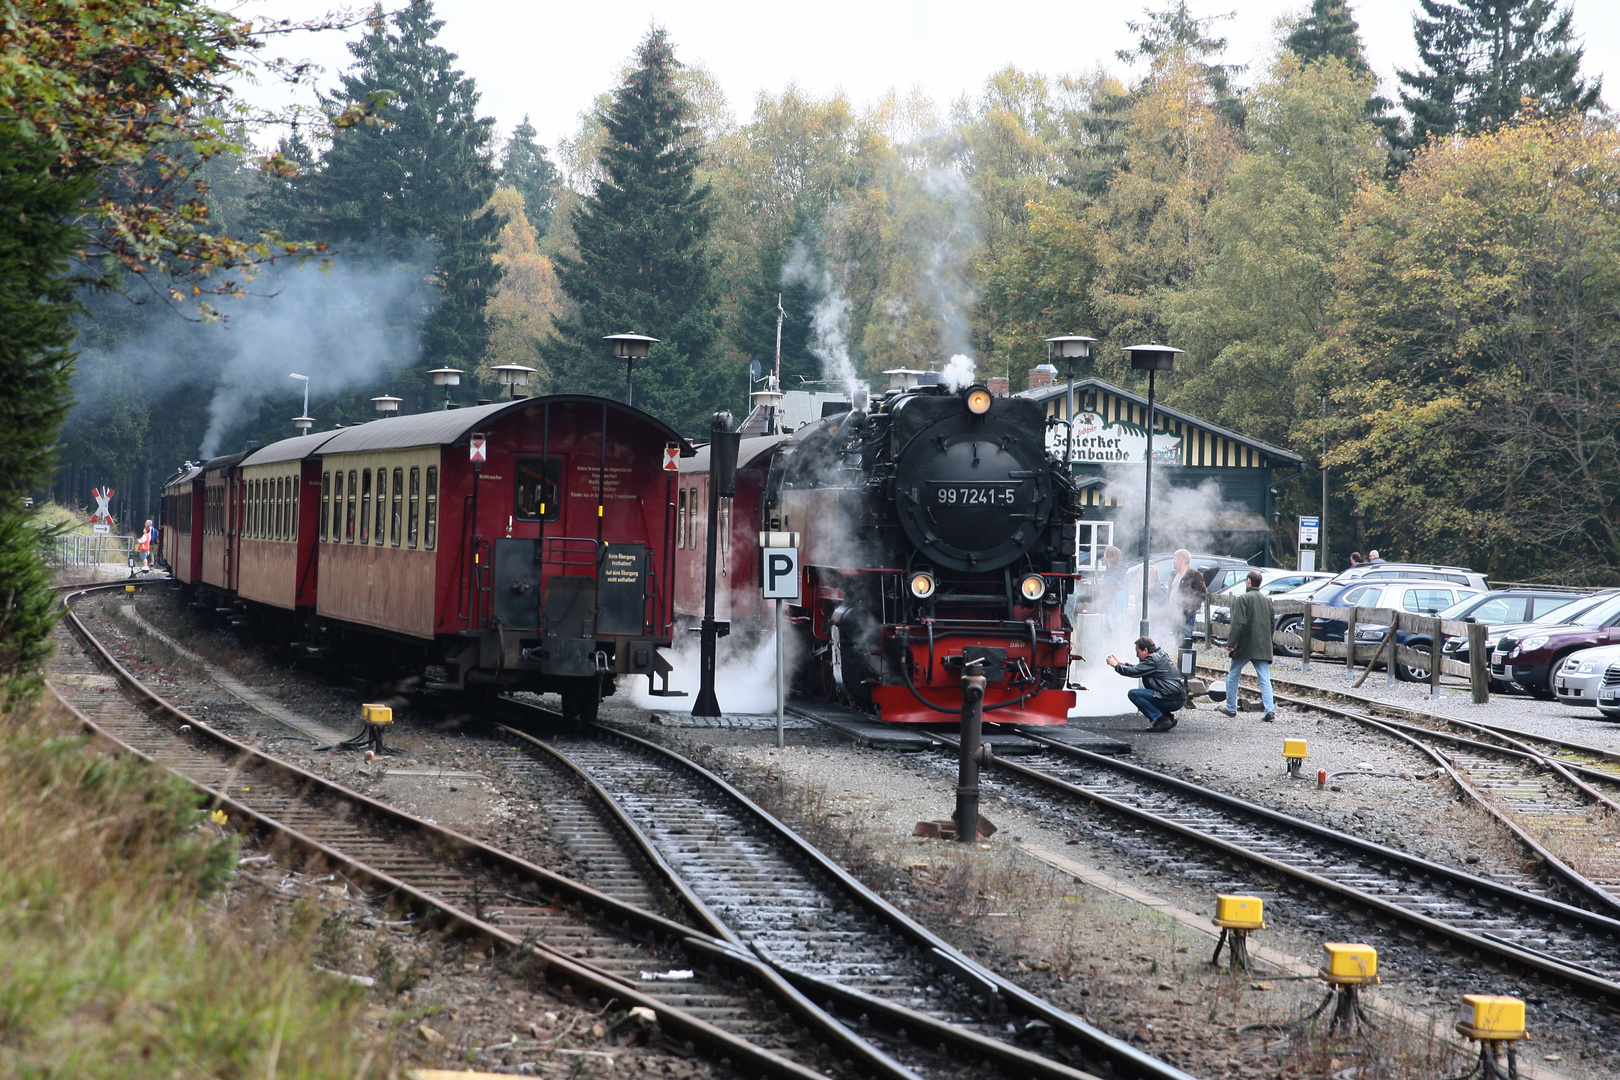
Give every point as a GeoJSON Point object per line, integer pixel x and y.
{"type": "Point", "coordinates": [549, 59]}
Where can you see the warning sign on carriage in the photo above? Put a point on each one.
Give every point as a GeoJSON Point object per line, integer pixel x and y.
{"type": "Point", "coordinates": [672, 454]}
{"type": "Point", "coordinates": [476, 449]}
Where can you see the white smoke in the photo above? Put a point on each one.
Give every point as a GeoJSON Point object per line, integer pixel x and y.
{"type": "Point", "coordinates": [829, 317]}
{"type": "Point", "coordinates": [947, 238]}
{"type": "Point", "coordinates": [351, 322]}
{"type": "Point", "coordinates": [745, 674]}
{"type": "Point", "coordinates": [960, 372]}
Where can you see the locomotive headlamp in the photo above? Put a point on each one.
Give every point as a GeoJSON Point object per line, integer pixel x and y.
{"type": "Point", "coordinates": [1033, 587]}
{"type": "Point", "coordinates": [922, 584]}
{"type": "Point", "coordinates": [978, 400]}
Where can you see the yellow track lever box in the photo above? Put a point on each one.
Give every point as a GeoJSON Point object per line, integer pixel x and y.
{"type": "Point", "coordinates": [1350, 963]}
{"type": "Point", "coordinates": [1240, 912]}
{"type": "Point", "coordinates": [1488, 1017]}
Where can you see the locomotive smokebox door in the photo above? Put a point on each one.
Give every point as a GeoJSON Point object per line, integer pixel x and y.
{"type": "Point", "coordinates": [570, 625]}
{"type": "Point", "coordinates": [517, 592]}
{"type": "Point", "coordinates": [621, 599]}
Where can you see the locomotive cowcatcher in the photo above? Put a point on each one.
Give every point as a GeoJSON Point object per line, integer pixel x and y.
{"type": "Point", "coordinates": [937, 532]}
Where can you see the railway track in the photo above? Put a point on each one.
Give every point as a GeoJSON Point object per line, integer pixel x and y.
{"type": "Point", "coordinates": [586, 941]}
{"type": "Point", "coordinates": [765, 892]}
{"type": "Point", "coordinates": [1519, 924]}
{"type": "Point", "coordinates": [1561, 799]}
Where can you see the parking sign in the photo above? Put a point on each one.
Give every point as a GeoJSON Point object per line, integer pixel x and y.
{"type": "Point", "coordinates": [1309, 529]}
{"type": "Point", "coordinates": [781, 573]}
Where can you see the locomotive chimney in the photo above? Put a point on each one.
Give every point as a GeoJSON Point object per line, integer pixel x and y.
{"type": "Point", "coordinates": [1042, 375]}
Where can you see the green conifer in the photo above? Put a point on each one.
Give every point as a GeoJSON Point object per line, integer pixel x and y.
{"type": "Point", "coordinates": [525, 166]}
{"type": "Point", "coordinates": [1481, 58]}
{"type": "Point", "coordinates": [643, 264]}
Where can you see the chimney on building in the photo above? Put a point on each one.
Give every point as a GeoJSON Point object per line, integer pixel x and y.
{"type": "Point", "coordinates": [1042, 375]}
{"type": "Point", "coordinates": [998, 385]}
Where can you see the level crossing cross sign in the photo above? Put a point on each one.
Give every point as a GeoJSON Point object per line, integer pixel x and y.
{"type": "Point", "coordinates": [672, 454]}
{"type": "Point", "coordinates": [103, 497]}
{"type": "Point", "coordinates": [476, 448]}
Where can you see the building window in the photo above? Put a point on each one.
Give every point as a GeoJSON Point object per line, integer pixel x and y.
{"type": "Point", "coordinates": [365, 506]}
{"type": "Point", "coordinates": [326, 502]}
{"type": "Point", "coordinates": [430, 525]}
{"type": "Point", "coordinates": [537, 480]}
{"type": "Point", "coordinates": [348, 511]}
{"type": "Point", "coordinates": [396, 517]}
{"type": "Point", "coordinates": [380, 532]}
{"type": "Point", "coordinates": [416, 505]}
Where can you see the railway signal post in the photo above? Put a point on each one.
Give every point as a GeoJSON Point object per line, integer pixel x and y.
{"type": "Point", "coordinates": [967, 779]}
{"type": "Point", "coordinates": [780, 565]}
{"type": "Point", "coordinates": [723, 443]}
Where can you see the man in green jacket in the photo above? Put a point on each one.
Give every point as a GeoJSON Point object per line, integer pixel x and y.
{"type": "Point", "coordinates": [1250, 642]}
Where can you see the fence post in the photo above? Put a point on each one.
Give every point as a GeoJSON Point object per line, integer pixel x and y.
{"type": "Point", "coordinates": [1350, 642]}
{"type": "Point", "coordinates": [1305, 639]}
{"type": "Point", "coordinates": [1479, 665]}
{"type": "Point", "coordinates": [1437, 641]}
{"type": "Point", "coordinates": [1394, 636]}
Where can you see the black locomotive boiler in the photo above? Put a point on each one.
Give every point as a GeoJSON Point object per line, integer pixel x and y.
{"type": "Point", "coordinates": [936, 531]}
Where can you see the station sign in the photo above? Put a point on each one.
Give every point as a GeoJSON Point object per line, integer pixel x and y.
{"type": "Point", "coordinates": [1310, 530]}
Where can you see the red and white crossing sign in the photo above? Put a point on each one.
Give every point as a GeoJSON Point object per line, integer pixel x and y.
{"type": "Point", "coordinates": [672, 454]}
{"type": "Point", "coordinates": [476, 449]}
{"type": "Point", "coordinates": [103, 497]}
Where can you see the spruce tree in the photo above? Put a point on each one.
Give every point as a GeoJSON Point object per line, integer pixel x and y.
{"type": "Point", "coordinates": [525, 166]}
{"type": "Point", "coordinates": [1481, 58]}
{"type": "Point", "coordinates": [423, 174]}
{"type": "Point", "coordinates": [642, 264]}
{"type": "Point", "coordinates": [1173, 27]}
{"type": "Point", "coordinates": [1329, 30]}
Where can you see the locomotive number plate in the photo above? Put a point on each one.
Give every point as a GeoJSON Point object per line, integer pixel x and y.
{"type": "Point", "coordinates": [974, 494]}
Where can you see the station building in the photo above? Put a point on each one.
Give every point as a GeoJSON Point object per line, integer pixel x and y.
{"type": "Point", "coordinates": [1110, 444]}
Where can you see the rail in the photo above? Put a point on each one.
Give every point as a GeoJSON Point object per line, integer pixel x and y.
{"type": "Point", "coordinates": [77, 549]}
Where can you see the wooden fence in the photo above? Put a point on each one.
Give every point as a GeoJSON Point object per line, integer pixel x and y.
{"type": "Point", "coordinates": [1477, 671]}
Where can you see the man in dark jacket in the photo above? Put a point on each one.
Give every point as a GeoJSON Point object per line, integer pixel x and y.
{"type": "Point", "coordinates": [1187, 590]}
{"type": "Point", "coordinates": [1161, 692]}
{"type": "Point", "coordinates": [1250, 643]}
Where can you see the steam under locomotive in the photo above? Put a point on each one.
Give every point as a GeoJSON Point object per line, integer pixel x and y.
{"type": "Point", "coordinates": [936, 531]}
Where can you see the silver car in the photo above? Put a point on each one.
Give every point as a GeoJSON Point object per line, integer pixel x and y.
{"type": "Point", "coordinates": [1580, 677]}
{"type": "Point", "coordinates": [1608, 695]}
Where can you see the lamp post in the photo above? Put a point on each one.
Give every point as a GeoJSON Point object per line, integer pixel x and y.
{"type": "Point", "coordinates": [1152, 358]}
{"type": "Point", "coordinates": [1071, 349]}
{"type": "Point", "coordinates": [630, 348]}
{"type": "Point", "coordinates": [446, 377]}
{"type": "Point", "coordinates": [386, 404]}
{"type": "Point", "coordinates": [514, 375]}
{"type": "Point", "coordinates": [303, 421]}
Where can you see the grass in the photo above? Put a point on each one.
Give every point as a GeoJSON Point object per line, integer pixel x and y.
{"type": "Point", "coordinates": [122, 954]}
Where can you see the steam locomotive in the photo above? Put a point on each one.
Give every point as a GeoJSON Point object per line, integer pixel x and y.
{"type": "Point", "coordinates": [936, 532]}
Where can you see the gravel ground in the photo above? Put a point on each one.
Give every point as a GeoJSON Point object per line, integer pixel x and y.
{"type": "Point", "coordinates": [1130, 970]}
{"type": "Point", "coordinates": [437, 1002]}
{"type": "Point", "coordinates": [1550, 718]}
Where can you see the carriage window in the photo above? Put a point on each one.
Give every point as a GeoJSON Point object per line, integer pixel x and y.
{"type": "Point", "coordinates": [416, 504]}
{"type": "Point", "coordinates": [337, 506]}
{"type": "Point", "coordinates": [397, 511]}
{"type": "Point", "coordinates": [348, 513]}
{"type": "Point", "coordinates": [691, 517]}
{"type": "Point", "coordinates": [430, 523]}
{"type": "Point", "coordinates": [326, 502]}
{"type": "Point", "coordinates": [278, 520]}
{"type": "Point", "coordinates": [293, 484]}
{"type": "Point", "coordinates": [381, 532]}
{"type": "Point", "coordinates": [537, 480]}
{"type": "Point", "coordinates": [248, 510]}
{"type": "Point", "coordinates": [365, 506]}
{"type": "Point", "coordinates": [680, 519]}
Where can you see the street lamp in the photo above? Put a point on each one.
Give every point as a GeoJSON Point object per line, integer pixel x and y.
{"type": "Point", "coordinates": [386, 404]}
{"type": "Point", "coordinates": [303, 422]}
{"type": "Point", "coordinates": [446, 377]}
{"type": "Point", "coordinates": [630, 348]}
{"type": "Point", "coordinates": [1071, 349]}
{"type": "Point", "coordinates": [514, 375]}
{"type": "Point", "coordinates": [1152, 358]}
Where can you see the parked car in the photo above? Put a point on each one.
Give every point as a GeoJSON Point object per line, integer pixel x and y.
{"type": "Point", "coordinates": [1211, 566]}
{"type": "Point", "coordinates": [1273, 582]}
{"type": "Point", "coordinates": [1579, 678]}
{"type": "Point", "coordinates": [1421, 597]}
{"type": "Point", "coordinates": [1288, 622]}
{"type": "Point", "coordinates": [1459, 575]}
{"type": "Point", "coordinates": [1608, 700]}
{"type": "Point", "coordinates": [1554, 616]}
{"type": "Point", "coordinates": [1530, 656]}
{"type": "Point", "coordinates": [1497, 606]}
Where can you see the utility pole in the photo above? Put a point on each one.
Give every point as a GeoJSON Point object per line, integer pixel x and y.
{"type": "Point", "coordinates": [1322, 544]}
